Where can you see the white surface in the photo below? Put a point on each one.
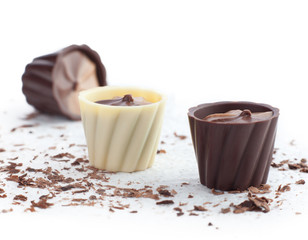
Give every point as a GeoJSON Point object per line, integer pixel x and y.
{"type": "Point", "coordinates": [193, 51]}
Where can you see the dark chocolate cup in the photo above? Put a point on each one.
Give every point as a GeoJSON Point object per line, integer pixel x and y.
{"type": "Point", "coordinates": [40, 76]}
{"type": "Point", "coordinates": [233, 155]}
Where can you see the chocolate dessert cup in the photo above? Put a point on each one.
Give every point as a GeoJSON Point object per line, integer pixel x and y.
{"type": "Point", "coordinates": [121, 138]}
{"type": "Point", "coordinates": [233, 155]}
{"type": "Point", "coordinates": [51, 83]}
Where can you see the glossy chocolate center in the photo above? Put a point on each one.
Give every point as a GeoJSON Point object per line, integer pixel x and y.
{"type": "Point", "coordinates": [238, 116]}
{"type": "Point", "coordinates": [127, 100]}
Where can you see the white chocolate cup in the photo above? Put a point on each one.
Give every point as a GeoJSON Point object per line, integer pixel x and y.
{"type": "Point", "coordinates": [121, 138]}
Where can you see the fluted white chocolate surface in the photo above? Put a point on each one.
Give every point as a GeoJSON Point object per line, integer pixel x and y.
{"type": "Point", "coordinates": [121, 138]}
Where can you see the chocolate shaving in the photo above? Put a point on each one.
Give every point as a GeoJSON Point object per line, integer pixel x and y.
{"type": "Point", "coordinates": [165, 202]}
{"type": "Point", "coordinates": [253, 203]}
{"type": "Point", "coordinates": [7, 210]}
{"type": "Point", "coordinates": [284, 188]}
{"type": "Point", "coordinates": [301, 181]}
{"type": "Point", "coordinates": [225, 210]}
{"type": "Point", "coordinates": [20, 197]}
{"type": "Point", "coordinates": [164, 192]}
{"type": "Point", "coordinates": [294, 166]}
{"type": "Point", "coordinates": [161, 151]}
{"type": "Point", "coordinates": [24, 126]}
{"type": "Point", "coordinates": [216, 193]}
{"type": "Point", "coordinates": [77, 162]}
{"type": "Point", "coordinates": [200, 208]}
{"type": "Point", "coordinates": [276, 165]}
{"type": "Point", "coordinates": [182, 137]}
{"type": "Point", "coordinates": [31, 116]}
{"type": "Point", "coordinates": [42, 203]}
{"type": "Point", "coordinates": [62, 155]}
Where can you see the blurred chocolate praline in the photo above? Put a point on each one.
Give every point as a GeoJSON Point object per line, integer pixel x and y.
{"type": "Point", "coordinates": [51, 83]}
{"type": "Point", "coordinates": [230, 155]}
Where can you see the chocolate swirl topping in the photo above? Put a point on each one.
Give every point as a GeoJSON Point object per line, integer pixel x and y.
{"type": "Point", "coordinates": [127, 100]}
{"type": "Point", "coordinates": [238, 116]}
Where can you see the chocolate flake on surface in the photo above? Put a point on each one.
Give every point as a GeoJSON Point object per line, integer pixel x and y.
{"type": "Point", "coordinates": [164, 192]}
{"type": "Point", "coordinates": [42, 203]}
{"type": "Point", "coordinates": [165, 202]}
{"type": "Point", "coordinates": [200, 208]}
{"type": "Point", "coordinates": [217, 193]}
{"type": "Point", "coordinates": [62, 155]}
{"type": "Point", "coordinates": [24, 126]}
{"type": "Point", "coordinates": [161, 151]}
{"type": "Point", "coordinates": [301, 181]}
{"type": "Point", "coordinates": [182, 137]}
{"type": "Point", "coordinates": [3, 196]}
{"type": "Point", "coordinates": [7, 210]}
{"type": "Point", "coordinates": [284, 188]}
{"type": "Point", "coordinates": [31, 116]}
{"type": "Point", "coordinates": [20, 197]}
{"type": "Point", "coordinates": [225, 210]}
{"type": "Point", "coordinates": [294, 166]}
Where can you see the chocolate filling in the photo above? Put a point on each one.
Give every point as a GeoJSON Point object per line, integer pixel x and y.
{"type": "Point", "coordinates": [238, 116]}
{"type": "Point", "coordinates": [127, 100]}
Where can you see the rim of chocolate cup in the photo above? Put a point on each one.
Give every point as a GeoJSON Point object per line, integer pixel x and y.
{"type": "Point", "coordinates": [83, 96]}
{"type": "Point", "coordinates": [196, 112]}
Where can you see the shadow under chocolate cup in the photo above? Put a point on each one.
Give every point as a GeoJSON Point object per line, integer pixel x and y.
{"type": "Point", "coordinates": [121, 138]}
{"type": "Point", "coordinates": [233, 155]}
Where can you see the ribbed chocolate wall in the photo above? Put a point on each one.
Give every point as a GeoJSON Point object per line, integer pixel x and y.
{"type": "Point", "coordinates": [232, 156]}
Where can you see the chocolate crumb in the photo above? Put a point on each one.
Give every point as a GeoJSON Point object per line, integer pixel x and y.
{"type": "Point", "coordinates": [20, 197]}
{"type": "Point", "coordinates": [2, 150]}
{"type": "Point", "coordinates": [190, 196]}
{"type": "Point", "coordinates": [210, 224]}
{"type": "Point", "coordinates": [24, 126]}
{"type": "Point", "coordinates": [31, 116]}
{"type": "Point", "coordinates": [62, 155]}
{"type": "Point", "coordinates": [200, 208]}
{"type": "Point", "coordinates": [134, 211]}
{"type": "Point", "coordinates": [77, 162]}
{"type": "Point", "coordinates": [41, 204]}
{"type": "Point", "coordinates": [92, 197]}
{"type": "Point", "coordinates": [276, 165]}
{"type": "Point", "coordinates": [284, 188]}
{"type": "Point", "coordinates": [301, 181]}
{"type": "Point", "coordinates": [304, 170]}
{"type": "Point", "coordinates": [164, 192]}
{"type": "Point", "coordinates": [165, 202]}
{"type": "Point", "coordinates": [294, 166]}
{"type": "Point", "coordinates": [161, 151]}
{"type": "Point", "coordinates": [225, 210]}
{"type": "Point", "coordinates": [217, 193]}
{"type": "Point", "coordinates": [193, 214]}
{"type": "Point", "coordinates": [7, 210]}
{"type": "Point", "coordinates": [182, 137]}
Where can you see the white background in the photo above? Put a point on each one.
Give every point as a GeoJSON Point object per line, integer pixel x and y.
{"type": "Point", "coordinates": [193, 51]}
